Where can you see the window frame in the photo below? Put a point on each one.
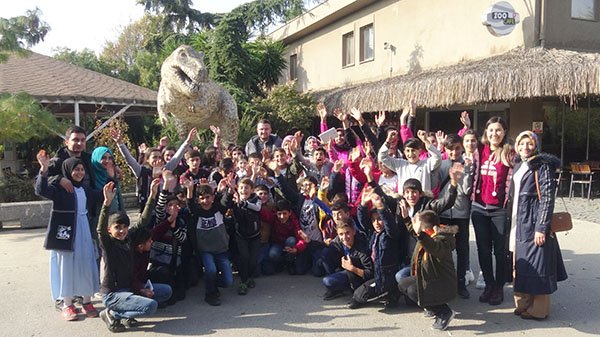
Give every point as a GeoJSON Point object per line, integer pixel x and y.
{"type": "Point", "coordinates": [293, 67]}
{"type": "Point", "coordinates": [594, 12]}
{"type": "Point", "coordinates": [350, 50]}
{"type": "Point", "coordinates": [363, 41]}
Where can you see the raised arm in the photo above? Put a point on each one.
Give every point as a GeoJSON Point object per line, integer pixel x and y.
{"type": "Point", "coordinates": [172, 164]}
{"type": "Point", "coordinates": [133, 164]}
{"type": "Point", "coordinates": [109, 192]}
{"type": "Point", "coordinates": [322, 112]}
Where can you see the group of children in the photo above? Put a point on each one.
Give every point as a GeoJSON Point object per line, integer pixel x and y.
{"type": "Point", "coordinates": [373, 216]}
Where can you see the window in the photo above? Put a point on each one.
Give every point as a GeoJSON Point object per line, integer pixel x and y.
{"type": "Point", "coordinates": [366, 43]}
{"type": "Point", "coordinates": [293, 67]}
{"type": "Point", "coordinates": [348, 49]}
{"type": "Point", "coordinates": [583, 9]}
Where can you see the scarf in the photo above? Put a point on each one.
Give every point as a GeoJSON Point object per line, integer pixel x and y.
{"type": "Point", "coordinates": [67, 169]}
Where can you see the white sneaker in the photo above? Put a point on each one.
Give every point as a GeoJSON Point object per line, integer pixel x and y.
{"type": "Point", "coordinates": [469, 277]}
{"type": "Point", "coordinates": [480, 282]}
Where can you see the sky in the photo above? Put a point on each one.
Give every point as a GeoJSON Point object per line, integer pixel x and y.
{"type": "Point", "coordinates": [79, 24]}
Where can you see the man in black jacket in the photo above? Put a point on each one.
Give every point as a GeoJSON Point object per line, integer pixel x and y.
{"type": "Point", "coordinates": [74, 147]}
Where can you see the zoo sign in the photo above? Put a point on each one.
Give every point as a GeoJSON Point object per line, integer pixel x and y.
{"type": "Point", "coordinates": [501, 18]}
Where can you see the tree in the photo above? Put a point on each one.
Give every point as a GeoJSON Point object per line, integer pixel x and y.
{"type": "Point", "coordinates": [22, 31]}
{"type": "Point", "coordinates": [85, 59]}
{"type": "Point", "coordinates": [24, 118]}
{"type": "Point", "coordinates": [179, 15]}
{"type": "Point", "coordinates": [285, 108]}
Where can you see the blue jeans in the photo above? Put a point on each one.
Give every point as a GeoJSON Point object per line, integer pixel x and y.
{"type": "Point", "coordinates": [311, 259]}
{"type": "Point", "coordinates": [265, 267]}
{"type": "Point", "coordinates": [276, 250]}
{"type": "Point", "coordinates": [162, 292]}
{"type": "Point", "coordinates": [217, 271]}
{"type": "Point", "coordinates": [337, 281]}
{"type": "Point", "coordinates": [402, 273]}
{"type": "Point", "coordinates": [124, 304]}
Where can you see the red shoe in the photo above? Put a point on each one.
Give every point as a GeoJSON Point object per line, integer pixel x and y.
{"type": "Point", "coordinates": [89, 310]}
{"type": "Point", "coordinates": [69, 313]}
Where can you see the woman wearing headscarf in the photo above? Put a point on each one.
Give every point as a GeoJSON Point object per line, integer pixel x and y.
{"type": "Point", "coordinates": [103, 165]}
{"type": "Point", "coordinates": [538, 263]}
{"type": "Point", "coordinates": [73, 269]}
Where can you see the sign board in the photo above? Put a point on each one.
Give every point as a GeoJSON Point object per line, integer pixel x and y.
{"type": "Point", "coordinates": [501, 18]}
{"type": "Point", "coordinates": [537, 127]}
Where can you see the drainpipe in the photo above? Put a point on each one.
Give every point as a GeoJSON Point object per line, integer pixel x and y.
{"type": "Point", "coordinates": [540, 24]}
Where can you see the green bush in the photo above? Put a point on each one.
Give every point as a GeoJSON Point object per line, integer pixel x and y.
{"type": "Point", "coordinates": [15, 189]}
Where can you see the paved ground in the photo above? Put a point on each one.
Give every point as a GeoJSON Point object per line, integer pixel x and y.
{"type": "Point", "coordinates": [292, 305]}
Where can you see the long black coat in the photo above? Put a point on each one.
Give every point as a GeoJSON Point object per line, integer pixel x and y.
{"type": "Point", "coordinates": [537, 269]}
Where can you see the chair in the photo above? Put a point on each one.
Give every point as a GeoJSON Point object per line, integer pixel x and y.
{"type": "Point", "coordinates": [581, 174]}
{"type": "Point", "coordinates": [558, 180]}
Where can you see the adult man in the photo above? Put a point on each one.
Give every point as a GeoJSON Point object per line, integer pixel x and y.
{"type": "Point", "coordinates": [264, 139]}
{"type": "Point", "coordinates": [75, 147]}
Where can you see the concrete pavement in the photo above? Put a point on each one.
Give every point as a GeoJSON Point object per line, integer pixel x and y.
{"type": "Point", "coordinates": [292, 305]}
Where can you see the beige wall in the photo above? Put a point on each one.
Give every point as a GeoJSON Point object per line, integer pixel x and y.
{"type": "Point", "coordinates": [561, 31]}
{"type": "Point", "coordinates": [425, 34]}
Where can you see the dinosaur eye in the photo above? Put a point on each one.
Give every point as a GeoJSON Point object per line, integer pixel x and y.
{"type": "Point", "coordinates": [183, 54]}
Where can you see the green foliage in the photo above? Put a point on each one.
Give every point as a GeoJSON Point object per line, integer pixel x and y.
{"type": "Point", "coordinates": [22, 31]}
{"type": "Point", "coordinates": [286, 109]}
{"type": "Point", "coordinates": [23, 118]}
{"type": "Point", "coordinates": [268, 61]}
{"type": "Point", "coordinates": [15, 189]}
{"type": "Point", "coordinates": [86, 59]}
{"type": "Point", "coordinates": [259, 15]}
{"type": "Point", "coordinates": [179, 14]}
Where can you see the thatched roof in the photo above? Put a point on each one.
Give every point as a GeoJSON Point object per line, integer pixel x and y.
{"type": "Point", "coordinates": [519, 73]}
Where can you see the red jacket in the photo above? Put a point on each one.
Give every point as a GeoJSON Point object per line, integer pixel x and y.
{"type": "Point", "coordinates": [281, 231]}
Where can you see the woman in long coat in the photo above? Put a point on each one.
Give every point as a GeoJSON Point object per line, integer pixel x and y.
{"type": "Point", "coordinates": [538, 263]}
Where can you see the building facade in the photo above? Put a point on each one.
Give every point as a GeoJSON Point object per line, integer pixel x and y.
{"type": "Point", "coordinates": [376, 55]}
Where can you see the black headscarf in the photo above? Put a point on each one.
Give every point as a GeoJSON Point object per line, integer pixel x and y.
{"type": "Point", "coordinates": [67, 168]}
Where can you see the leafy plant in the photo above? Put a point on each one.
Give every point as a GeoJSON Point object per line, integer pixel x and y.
{"type": "Point", "coordinates": [286, 109]}
{"type": "Point", "coordinates": [23, 118]}
{"type": "Point", "coordinates": [15, 189]}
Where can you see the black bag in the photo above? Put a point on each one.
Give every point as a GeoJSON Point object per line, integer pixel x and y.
{"type": "Point", "coordinates": [61, 232]}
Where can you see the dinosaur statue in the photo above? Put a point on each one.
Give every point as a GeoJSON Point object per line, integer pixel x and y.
{"type": "Point", "coordinates": [194, 100]}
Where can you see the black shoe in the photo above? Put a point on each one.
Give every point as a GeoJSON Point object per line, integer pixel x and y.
{"type": "Point", "coordinates": [330, 295]}
{"type": "Point", "coordinates": [463, 292]}
{"type": "Point", "coordinates": [497, 296]}
{"type": "Point", "coordinates": [130, 322]}
{"type": "Point", "coordinates": [354, 304]}
{"type": "Point", "coordinates": [487, 293]}
{"type": "Point", "coordinates": [212, 299]}
{"type": "Point", "coordinates": [390, 303]}
{"type": "Point", "coordinates": [113, 324]}
{"type": "Point", "coordinates": [291, 269]}
{"type": "Point", "coordinates": [442, 320]}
